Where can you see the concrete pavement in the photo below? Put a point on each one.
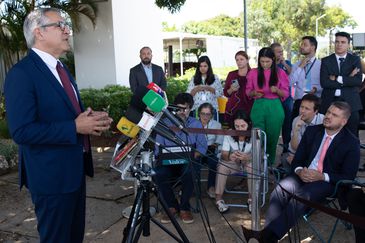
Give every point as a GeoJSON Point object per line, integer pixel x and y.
{"type": "Point", "coordinates": [108, 195]}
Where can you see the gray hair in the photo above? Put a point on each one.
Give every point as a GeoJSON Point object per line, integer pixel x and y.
{"type": "Point", "coordinates": [35, 19]}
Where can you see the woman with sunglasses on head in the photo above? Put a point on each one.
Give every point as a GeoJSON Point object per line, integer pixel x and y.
{"type": "Point", "coordinates": [268, 85]}
{"type": "Point", "coordinates": [235, 157]}
{"type": "Point", "coordinates": [205, 112]}
{"type": "Point", "coordinates": [235, 88]}
{"type": "Point", "coordinates": [205, 86]}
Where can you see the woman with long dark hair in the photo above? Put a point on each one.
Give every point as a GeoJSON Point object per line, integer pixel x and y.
{"type": "Point", "coordinates": [235, 88]}
{"type": "Point", "coordinates": [205, 86]}
{"type": "Point", "coordinates": [235, 157]}
{"type": "Point", "coordinates": [268, 86]}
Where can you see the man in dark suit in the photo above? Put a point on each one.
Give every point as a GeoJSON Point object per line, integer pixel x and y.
{"type": "Point", "coordinates": [146, 72]}
{"type": "Point", "coordinates": [341, 79]}
{"type": "Point", "coordinates": [326, 154]}
{"type": "Point", "coordinates": [48, 122]}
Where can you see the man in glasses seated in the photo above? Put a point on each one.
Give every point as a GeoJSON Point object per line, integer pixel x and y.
{"type": "Point", "coordinates": [168, 172]}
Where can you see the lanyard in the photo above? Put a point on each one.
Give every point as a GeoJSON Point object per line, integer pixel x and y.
{"type": "Point", "coordinates": [309, 69]}
{"type": "Point", "coordinates": [243, 147]}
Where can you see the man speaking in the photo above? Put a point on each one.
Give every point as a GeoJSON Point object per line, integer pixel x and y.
{"type": "Point", "coordinates": [47, 120]}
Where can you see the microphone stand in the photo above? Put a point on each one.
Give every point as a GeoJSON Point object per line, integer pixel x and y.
{"type": "Point", "coordinates": [138, 223]}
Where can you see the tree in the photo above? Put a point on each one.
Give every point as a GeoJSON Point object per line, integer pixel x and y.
{"type": "Point", "coordinates": [171, 5]}
{"type": "Point", "coordinates": [286, 21]}
{"type": "Point", "coordinates": [219, 25]}
{"type": "Point", "coordinates": [12, 15]}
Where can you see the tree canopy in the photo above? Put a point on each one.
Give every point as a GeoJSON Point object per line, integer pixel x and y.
{"type": "Point", "coordinates": [12, 16]}
{"type": "Point", "coordinates": [286, 21]}
{"type": "Point", "coordinates": [219, 25]}
{"type": "Point", "coordinates": [283, 21]}
{"type": "Point", "coordinates": [172, 5]}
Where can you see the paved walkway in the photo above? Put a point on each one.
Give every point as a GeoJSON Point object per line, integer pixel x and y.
{"type": "Point", "coordinates": [108, 195]}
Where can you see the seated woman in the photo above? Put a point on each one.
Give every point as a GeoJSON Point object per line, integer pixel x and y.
{"type": "Point", "coordinates": [205, 112]}
{"type": "Point", "coordinates": [236, 155]}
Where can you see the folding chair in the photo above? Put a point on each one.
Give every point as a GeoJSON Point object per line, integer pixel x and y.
{"type": "Point", "coordinates": [332, 201]}
{"type": "Point", "coordinates": [261, 143]}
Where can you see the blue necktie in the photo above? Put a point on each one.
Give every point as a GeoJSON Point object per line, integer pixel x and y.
{"type": "Point", "coordinates": [308, 83]}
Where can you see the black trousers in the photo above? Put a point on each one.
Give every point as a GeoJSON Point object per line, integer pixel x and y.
{"type": "Point", "coordinates": [356, 202]}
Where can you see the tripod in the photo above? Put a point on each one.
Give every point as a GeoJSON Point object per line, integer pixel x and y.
{"type": "Point", "coordinates": [138, 223]}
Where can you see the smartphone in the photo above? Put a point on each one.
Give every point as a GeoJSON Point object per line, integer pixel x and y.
{"type": "Point", "coordinates": [235, 83]}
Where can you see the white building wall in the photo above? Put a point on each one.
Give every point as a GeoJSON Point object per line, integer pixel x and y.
{"type": "Point", "coordinates": [94, 50]}
{"type": "Point", "coordinates": [137, 24]}
{"type": "Point", "coordinates": [104, 55]}
{"type": "Point", "coordinates": [221, 50]}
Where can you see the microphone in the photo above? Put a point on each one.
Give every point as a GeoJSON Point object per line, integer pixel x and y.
{"type": "Point", "coordinates": [127, 127]}
{"type": "Point", "coordinates": [126, 144]}
{"type": "Point", "coordinates": [157, 89]}
{"type": "Point", "coordinates": [148, 122]}
{"type": "Point", "coordinates": [157, 104]}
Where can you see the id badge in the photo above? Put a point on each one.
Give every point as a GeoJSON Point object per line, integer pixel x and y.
{"type": "Point", "coordinates": [204, 97]}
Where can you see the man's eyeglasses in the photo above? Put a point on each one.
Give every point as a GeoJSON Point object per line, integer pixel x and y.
{"type": "Point", "coordinates": [182, 109]}
{"type": "Point", "coordinates": [61, 24]}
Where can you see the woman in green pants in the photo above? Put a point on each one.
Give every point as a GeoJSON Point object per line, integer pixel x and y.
{"type": "Point", "coordinates": [267, 85]}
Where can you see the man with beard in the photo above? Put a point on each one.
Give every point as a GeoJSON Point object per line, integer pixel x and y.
{"type": "Point", "coordinates": [326, 154]}
{"type": "Point", "coordinates": [167, 173]}
{"type": "Point", "coordinates": [146, 72]}
{"type": "Point", "coordinates": [305, 73]}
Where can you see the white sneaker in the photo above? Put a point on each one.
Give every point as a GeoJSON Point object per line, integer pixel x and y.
{"type": "Point", "coordinates": [222, 207]}
{"type": "Point", "coordinates": [211, 193]}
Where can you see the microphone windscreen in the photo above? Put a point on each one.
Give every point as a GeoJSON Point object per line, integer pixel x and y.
{"type": "Point", "coordinates": [156, 89]}
{"type": "Point", "coordinates": [154, 101]}
{"type": "Point", "coordinates": [134, 114]}
{"type": "Point", "coordinates": [127, 127]}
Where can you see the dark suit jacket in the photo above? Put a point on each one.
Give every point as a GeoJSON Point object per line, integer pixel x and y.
{"type": "Point", "coordinates": [349, 88]}
{"type": "Point", "coordinates": [342, 157]}
{"type": "Point", "coordinates": [41, 121]}
{"type": "Point", "coordinates": [138, 77]}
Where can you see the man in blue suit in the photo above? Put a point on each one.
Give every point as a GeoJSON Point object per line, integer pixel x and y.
{"type": "Point", "coordinates": [146, 72]}
{"type": "Point", "coordinates": [326, 154]}
{"type": "Point", "coordinates": [48, 122]}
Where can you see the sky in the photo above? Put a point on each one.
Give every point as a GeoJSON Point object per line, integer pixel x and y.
{"type": "Point", "coordinates": [204, 9]}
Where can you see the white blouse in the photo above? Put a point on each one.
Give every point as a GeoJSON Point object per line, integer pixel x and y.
{"type": "Point", "coordinates": [202, 97]}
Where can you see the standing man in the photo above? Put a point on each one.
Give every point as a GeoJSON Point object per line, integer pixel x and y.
{"type": "Point", "coordinates": [288, 102]}
{"type": "Point", "coordinates": [326, 154]}
{"type": "Point", "coordinates": [48, 122]}
{"type": "Point", "coordinates": [305, 73]}
{"type": "Point", "coordinates": [341, 79]}
{"type": "Point", "coordinates": [146, 72]}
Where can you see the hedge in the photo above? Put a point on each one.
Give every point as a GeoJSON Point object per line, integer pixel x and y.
{"type": "Point", "coordinates": [115, 98]}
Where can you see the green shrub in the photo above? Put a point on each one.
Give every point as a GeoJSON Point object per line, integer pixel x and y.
{"type": "Point", "coordinates": [8, 154]}
{"type": "Point", "coordinates": [4, 130]}
{"type": "Point", "coordinates": [174, 87]}
{"type": "Point", "coordinates": [2, 107]}
{"type": "Point", "coordinates": [115, 98]}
